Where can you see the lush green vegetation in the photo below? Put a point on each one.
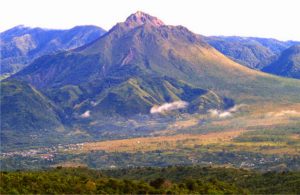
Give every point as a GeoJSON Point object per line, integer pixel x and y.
{"type": "Point", "coordinates": [251, 181]}
{"type": "Point", "coordinates": [26, 113]}
{"type": "Point", "coordinates": [174, 180]}
{"type": "Point", "coordinates": [23, 107]}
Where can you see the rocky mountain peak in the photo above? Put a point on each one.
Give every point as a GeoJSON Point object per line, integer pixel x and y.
{"type": "Point", "coordinates": [140, 18]}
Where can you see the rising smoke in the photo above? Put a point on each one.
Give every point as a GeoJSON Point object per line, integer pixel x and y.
{"type": "Point", "coordinates": [224, 113]}
{"type": "Point", "coordinates": [86, 114]}
{"type": "Point", "coordinates": [169, 107]}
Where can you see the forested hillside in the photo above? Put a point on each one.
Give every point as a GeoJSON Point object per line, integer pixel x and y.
{"type": "Point", "coordinates": [170, 180]}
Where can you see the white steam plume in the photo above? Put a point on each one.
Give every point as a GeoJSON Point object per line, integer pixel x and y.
{"type": "Point", "coordinates": [225, 113]}
{"type": "Point", "coordinates": [86, 114]}
{"type": "Point", "coordinates": [219, 113]}
{"type": "Point", "coordinates": [168, 107]}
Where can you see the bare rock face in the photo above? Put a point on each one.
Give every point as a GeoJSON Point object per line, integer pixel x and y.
{"type": "Point", "coordinates": [140, 18]}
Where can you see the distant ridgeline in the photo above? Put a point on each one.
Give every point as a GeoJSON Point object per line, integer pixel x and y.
{"type": "Point", "coordinates": [21, 45]}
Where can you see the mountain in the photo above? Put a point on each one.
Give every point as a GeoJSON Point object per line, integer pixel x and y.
{"type": "Point", "coordinates": [288, 64]}
{"type": "Point", "coordinates": [252, 52]}
{"type": "Point", "coordinates": [142, 67]}
{"type": "Point", "coordinates": [123, 72]}
{"type": "Point", "coordinates": [143, 46]}
{"type": "Point", "coordinates": [20, 45]}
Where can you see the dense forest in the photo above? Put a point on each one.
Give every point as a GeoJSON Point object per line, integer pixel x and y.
{"type": "Point", "coordinates": [168, 180]}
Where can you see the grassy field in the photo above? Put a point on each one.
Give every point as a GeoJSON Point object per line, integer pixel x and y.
{"type": "Point", "coordinates": [161, 142]}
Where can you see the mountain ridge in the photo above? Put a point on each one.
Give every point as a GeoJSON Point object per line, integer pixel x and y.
{"type": "Point", "coordinates": [253, 52]}
{"type": "Point", "coordinates": [20, 45]}
{"type": "Point", "coordinates": [288, 63]}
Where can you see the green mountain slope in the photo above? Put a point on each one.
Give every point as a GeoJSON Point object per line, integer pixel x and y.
{"type": "Point", "coordinates": [137, 95]}
{"type": "Point", "coordinates": [25, 112]}
{"type": "Point", "coordinates": [20, 99]}
{"type": "Point", "coordinates": [288, 64]}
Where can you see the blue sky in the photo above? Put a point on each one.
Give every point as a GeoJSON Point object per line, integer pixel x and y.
{"type": "Point", "coordinates": [263, 18]}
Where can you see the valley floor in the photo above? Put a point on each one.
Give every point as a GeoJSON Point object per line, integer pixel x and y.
{"type": "Point", "coordinates": [258, 137]}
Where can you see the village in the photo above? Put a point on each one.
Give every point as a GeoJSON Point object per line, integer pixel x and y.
{"type": "Point", "coordinates": [46, 153]}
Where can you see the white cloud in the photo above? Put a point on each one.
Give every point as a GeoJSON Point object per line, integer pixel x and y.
{"type": "Point", "coordinates": [236, 107]}
{"type": "Point", "coordinates": [225, 113]}
{"type": "Point", "coordinates": [169, 107]}
{"type": "Point", "coordinates": [219, 113]}
{"type": "Point", "coordinates": [86, 114]}
{"type": "Point", "coordinates": [94, 103]}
